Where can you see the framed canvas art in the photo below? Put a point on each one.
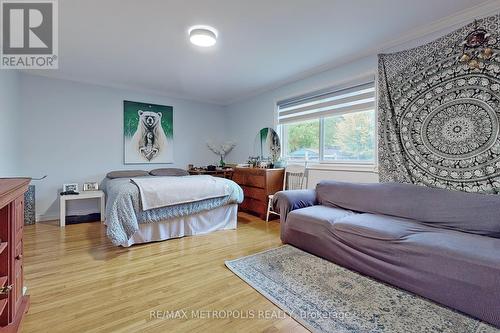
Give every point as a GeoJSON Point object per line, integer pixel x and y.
{"type": "Point", "coordinates": [148, 133]}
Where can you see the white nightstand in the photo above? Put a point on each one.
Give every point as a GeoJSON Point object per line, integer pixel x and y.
{"type": "Point", "coordinates": [83, 195]}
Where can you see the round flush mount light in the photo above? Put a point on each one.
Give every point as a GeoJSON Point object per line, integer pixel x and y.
{"type": "Point", "coordinates": [202, 35]}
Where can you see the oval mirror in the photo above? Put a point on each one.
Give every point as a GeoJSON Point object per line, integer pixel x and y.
{"type": "Point", "coordinates": [267, 145]}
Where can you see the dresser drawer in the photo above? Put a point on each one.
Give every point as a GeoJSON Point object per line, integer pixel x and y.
{"type": "Point", "coordinates": [19, 219]}
{"type": "Point", "coordinates": [256, 181]}
{"type": "Point", "coordinates": [250, 179]}
{"type": "Point", "coordinates": [239, 178]}
{"type": "Point", "coordinates": [18, 253]}
{"type": "Point", "coordinates": [255, 206]}
{"type": "Point", "coordinates": [254, 193]}
{"type": "Point", "coordinates": [17, 290]}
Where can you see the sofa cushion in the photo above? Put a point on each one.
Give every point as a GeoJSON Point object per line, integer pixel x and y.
{"type": "Point", "coordinates": [469, 212]}
{"type": "Point", "coordinates": [169, 172]}
{"type": "Point", "coordinates": [377, 234]}
{"type": "Point", "coordinates": [126, 174]}
{"type": "Point", "coordinates": [380, 227]}
{"type": "Point", "coordinates": [316, 219]}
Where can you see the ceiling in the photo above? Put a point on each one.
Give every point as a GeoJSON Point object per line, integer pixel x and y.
{"type": "Point", "coordinates": [143, 44]}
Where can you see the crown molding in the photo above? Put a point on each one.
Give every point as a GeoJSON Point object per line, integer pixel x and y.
{"type": "Point", "coordinates": [459, 18]}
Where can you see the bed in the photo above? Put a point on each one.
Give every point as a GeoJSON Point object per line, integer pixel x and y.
{"type": "Point", "coordinates": [128, 223]}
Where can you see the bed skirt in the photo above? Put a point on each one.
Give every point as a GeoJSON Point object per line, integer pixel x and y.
{"type": "Point", "coordinates": [221, 218]}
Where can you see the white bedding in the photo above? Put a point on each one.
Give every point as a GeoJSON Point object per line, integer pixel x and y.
{"type": "Point", "coordinates": [157, 192]}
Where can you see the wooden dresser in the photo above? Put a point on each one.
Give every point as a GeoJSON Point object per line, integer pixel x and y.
{"type": "Point", "coordinates": [257, 185]}
{"type": "Point", "coordinates": [13, 304]}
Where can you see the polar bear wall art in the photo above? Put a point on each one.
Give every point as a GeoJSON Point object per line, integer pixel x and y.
{"type": "Point", "coordinates": [148, 133]}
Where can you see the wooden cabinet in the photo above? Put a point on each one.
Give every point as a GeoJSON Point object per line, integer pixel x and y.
{"type": "Point", "coordinates": [13, 304]}
{"type": "Point", "coordinates": [257, 185]}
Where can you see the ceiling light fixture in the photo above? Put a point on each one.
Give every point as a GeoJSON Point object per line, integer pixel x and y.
{"type": "Point", "coordinates": [202, 35]}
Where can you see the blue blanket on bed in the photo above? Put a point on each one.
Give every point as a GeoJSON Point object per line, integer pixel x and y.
{"type": "Point", "coordinates": [124, 213]}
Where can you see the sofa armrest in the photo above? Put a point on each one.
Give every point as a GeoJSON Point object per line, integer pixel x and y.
{"type": "Point", "coordinates": [286, 201]}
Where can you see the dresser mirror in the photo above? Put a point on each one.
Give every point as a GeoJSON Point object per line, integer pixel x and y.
{"type": "Point", "coordinates": [267, 145]}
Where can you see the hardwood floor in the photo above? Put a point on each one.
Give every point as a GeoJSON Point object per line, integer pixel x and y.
{"type": "Point", "coordinates": [80, 282]}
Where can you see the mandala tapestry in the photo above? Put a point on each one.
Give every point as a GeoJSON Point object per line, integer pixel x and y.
{"type": "Point", "coordinates": [438, 117]}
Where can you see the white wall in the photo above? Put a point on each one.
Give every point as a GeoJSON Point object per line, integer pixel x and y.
{"type": "Point", "coordinates": [73, 132]}
{"type": "Point", "coordinates": [9, 120]}
{"type": "Point", "coordinates": [246, 118]}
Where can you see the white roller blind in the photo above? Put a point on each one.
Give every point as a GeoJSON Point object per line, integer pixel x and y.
{"type": "Point", "coordinates": [360, 97]}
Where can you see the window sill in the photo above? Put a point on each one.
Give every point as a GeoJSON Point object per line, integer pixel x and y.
{"type": "Point", "coordinates": [324, 166]}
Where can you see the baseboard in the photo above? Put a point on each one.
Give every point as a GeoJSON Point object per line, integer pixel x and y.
{"type": "Point", "coordinates": [43, 218]}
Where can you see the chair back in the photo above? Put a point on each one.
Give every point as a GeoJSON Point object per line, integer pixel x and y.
{"type": "Point", "coordinates": [295, 176]}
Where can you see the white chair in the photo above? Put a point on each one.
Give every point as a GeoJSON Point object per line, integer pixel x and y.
{"type": "Point", "coordinates": [294, 179]}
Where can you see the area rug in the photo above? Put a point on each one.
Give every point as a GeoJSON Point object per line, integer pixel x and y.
{"type": "Point", "coordinates": [325, 297]}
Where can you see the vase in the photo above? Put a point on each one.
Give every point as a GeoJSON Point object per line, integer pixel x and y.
{"type": "Point", "coordinates": [222, 163]}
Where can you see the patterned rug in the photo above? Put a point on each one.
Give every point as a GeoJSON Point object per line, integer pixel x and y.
{"type": "Point", "coordinates": [325, 297]}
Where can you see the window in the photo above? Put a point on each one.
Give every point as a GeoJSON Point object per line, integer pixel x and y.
{"type": "Point", "coordinates": [302, 140]}
{"type": "Point", "coordinates": [350, 137]}
{"type": "Point", "coordinates": [334, 126]}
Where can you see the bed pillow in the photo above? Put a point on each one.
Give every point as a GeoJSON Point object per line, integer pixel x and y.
{"type": "Point", "coordinates": [126, 174]}
{"type": "Point", "coordinates": [168, 172]}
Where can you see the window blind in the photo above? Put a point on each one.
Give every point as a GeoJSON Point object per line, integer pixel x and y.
{"type": "Point", "coordinates": [329, 102]}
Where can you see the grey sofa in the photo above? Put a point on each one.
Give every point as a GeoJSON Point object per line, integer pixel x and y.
{"type": "Point", "coordinates": [439, 244]}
